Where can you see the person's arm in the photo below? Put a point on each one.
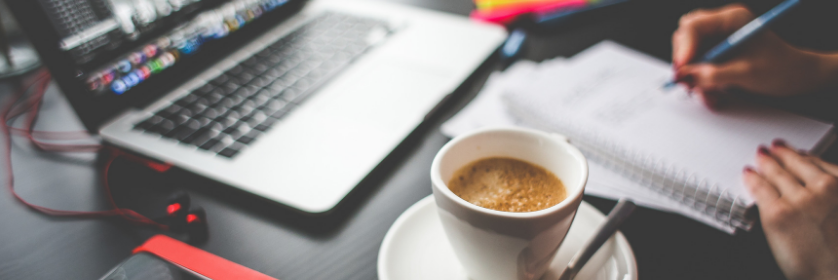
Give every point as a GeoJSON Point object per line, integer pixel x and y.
{"type": "Point", "coordinates": [797, 196]}
{"type": "Point", "coordinates": [765, 65]}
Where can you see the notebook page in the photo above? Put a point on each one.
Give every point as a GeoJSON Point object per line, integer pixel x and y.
{"type": "Point", "coordinates": [487, 110]}
{"type": "Point", "coordinates": [615, 93]}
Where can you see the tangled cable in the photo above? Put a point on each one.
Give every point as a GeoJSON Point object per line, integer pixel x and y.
{"type": "Point", "coordinates": [19, 105]}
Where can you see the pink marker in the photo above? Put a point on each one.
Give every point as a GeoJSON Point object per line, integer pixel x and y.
{"type": "Point", "coordinates": [509, 13]}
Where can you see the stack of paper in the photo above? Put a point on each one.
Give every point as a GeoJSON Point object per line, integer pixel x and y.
{"type": "Point", "coordinates": [609, 98]}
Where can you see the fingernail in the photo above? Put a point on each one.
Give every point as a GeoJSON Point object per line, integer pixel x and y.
{"type": "Point", "coordinates": [779, 143]}
{"type": "Point", "coordinates": [748, 169]}
{"type": "Point", "coordinates": [764, 151]}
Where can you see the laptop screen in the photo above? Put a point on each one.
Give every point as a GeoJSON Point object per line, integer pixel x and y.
{"type": "Point", "coordinates": [101, 51]}
{"type": "Point", "coordinates": [102, 36]}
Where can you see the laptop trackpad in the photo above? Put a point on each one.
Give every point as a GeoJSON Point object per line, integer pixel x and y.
{"type": "Point", "coordinates": [389, 95]}
{"type": "Point", "coordinates": [346, 129]}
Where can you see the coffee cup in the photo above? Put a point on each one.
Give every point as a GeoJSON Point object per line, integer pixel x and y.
{"type": "Point", "coordinates": [492, 244]}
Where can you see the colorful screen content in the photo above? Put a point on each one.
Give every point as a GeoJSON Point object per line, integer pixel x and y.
{"type": "Point", "coordinates": [119, 44]}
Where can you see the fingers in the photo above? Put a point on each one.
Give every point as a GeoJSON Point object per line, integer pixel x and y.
{"type": "Point", "coordinates": [805, 168]}
{"type": "Point", "coordinates": [764, 193]}
{"type": "Point", "coordinates": [711, 99]}
{"type": "Point", "coordinates": [700, 24]}
{"type": "Point", "coordinates": [717, 76]}
{"type": "Point", "coordinates": [828, 167]}
{"type": "Point", "coordinates": [801, 167]}
{"type": "Point", "coordinates": [775, 174]}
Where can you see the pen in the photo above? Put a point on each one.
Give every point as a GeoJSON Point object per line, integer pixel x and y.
{"type": "Point", "coordinates": [720, 52]}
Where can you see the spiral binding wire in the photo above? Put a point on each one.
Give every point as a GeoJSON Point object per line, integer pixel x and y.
{"type": "Point", "coordinates": [667, 179]}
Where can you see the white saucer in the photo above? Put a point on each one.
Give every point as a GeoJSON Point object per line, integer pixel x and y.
{"type": "Point", "coordinates": [415, 247]}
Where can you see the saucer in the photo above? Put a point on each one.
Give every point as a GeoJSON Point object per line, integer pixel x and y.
{"type": "Point", "coordinates": [416, 247]}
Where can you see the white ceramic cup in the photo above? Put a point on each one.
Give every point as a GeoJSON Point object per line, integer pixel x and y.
{"type": "Point", "coordinates": [500, 245]}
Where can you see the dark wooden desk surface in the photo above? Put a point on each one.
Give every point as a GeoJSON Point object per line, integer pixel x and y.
{"type": "Point", "coordinates": [345, 245]}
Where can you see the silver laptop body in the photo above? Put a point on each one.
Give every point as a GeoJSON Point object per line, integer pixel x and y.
{"type": "Point", "coordinates": [314, 156]}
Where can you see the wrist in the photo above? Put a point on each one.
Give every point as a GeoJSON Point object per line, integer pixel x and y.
{"type": "Point", "coordinates": [828, 70]}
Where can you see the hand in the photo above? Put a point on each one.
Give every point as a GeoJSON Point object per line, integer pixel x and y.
{"type": "Point", "coordinates": [797, 196]}
{"type": "Point", "coordinates": [764, 65]}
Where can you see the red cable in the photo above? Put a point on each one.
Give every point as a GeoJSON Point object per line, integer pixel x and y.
{"type": "Point", "coordinates": [12, 111]}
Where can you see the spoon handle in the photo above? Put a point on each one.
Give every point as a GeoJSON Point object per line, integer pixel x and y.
{"type": "Point", "coordinates": [615, 218]}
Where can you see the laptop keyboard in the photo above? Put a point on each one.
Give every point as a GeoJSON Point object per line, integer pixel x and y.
{"type": "Point", "coordinates": [233, 109]}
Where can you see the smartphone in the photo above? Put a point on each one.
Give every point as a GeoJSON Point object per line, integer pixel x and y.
{"type": "Point", "coordinates": [146, 266]}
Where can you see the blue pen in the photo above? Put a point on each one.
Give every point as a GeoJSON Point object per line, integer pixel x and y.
{"type": "Point", "coordinates": [719, 52]}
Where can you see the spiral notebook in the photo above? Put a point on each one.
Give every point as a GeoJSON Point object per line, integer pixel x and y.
{"type": "Point", "coordinates": [608, 100]}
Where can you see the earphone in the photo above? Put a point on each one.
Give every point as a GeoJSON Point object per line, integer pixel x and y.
{"type": "Point", "coordinates": [178, 215]}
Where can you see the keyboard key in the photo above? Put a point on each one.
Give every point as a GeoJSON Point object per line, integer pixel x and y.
{"type": "Point", "coordinates": [228, 88]}
{"type": "Point", "coordinates": [214, 97]}
{"type": "Point", "coordinates": [215, 126]}
{"type": "Point", "coordinates": [246, 91]}
{"type": "Point", "coordinates": [227, 102]}
{"type": "Point", "coordinates": [256, 118]}
{"type": "Point", "coordinates": [244, 111]}
{"type": "Point", "coordinates": [273, 73]}
{"type": "Point", "coordinates": [197, 109]}
{"type": "Point", "coordinates": [163, 127]}
{"type": "Point", "coordinates": [235, 70]}
{"type": "Point", "coordinates": [226, 122]}
{"type": "Point", "coordinates": [220, 80]}
{"type": "Point", "coordinates": [168, 111]}
{"type": "Point", "coordinates": [291, 94]}
{"type": "Point", "coordinates": [262, 127]}
{"type": "Point", "coordinates": [233, 115]}
{"type": "Point", "coordinates": [274, 59]}
{"type": "Point", "coordinates": [228, 152]}
{"type": "Point", "coordinates": [204, 121]}
{"type": "Point", "coordinates": [261, 98]}
{"type": "Point", "coordinates": [205, 135]}
{"type": "Point", "coordinates": [249, 138]}
{"type": "Point", "coordinates": [279, 114]}
{"type": "Point", "coordinates": [179, 119]}
{"type": "Point", "coordinates": [144, 125]}
{"type": "Point", "coordinates": [232, 128]}
{"type": "Point", "coordinates": [250, 62]}
{"type": "Point", "coordinates": [200, 136]}
{"type": "Point", "coordinates": [264, 53]}
{"type": "Point", "coordinates": [260, 82]}
{"type": "Point", "coordinates": [246, 139]}
{"type": "Point", "coordinates": [204, 90]}
{"type": "Point", "coordinates": [202, 101]}
{"type": "Point", "coordinates": [213, 145]}
{"type": "Point", "coordinates": [276, 104]}
{"type": "Point", "coordinates": [248, 103]}
{"type": "Point", "coordinates": [225, 140]}
{"type": "Point", "coordinates": [303, 84]}
{"type": "Point", "coordinates": [241, 129]}
{"type": "Point", "coordinates": [245, 77]}
{"type": "Point", "coordinates": [231, 150]}
{"type": "Point", "coordinates": [210, 113]}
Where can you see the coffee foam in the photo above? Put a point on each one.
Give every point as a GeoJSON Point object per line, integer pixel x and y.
{"type": "Point", "coordinates": [507, 184]}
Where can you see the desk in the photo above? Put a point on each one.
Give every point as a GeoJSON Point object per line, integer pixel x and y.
{"type": "Point", "coordinates": [344, 246]}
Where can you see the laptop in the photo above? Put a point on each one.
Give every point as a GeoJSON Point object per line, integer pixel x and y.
{"type": "Point", "coordinates": [293, 101]}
